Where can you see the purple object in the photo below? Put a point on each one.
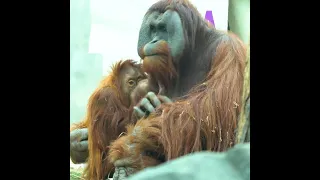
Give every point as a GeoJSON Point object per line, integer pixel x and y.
{"type": "Point", "coordinates": [209, 17]}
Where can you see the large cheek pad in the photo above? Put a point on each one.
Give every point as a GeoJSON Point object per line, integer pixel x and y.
{"type": "Point", "coordinates": [175, 33]}
{"type": "Point", "coordinates": [174, 27]}
{"type": "Point", "coordinates": [144, 34]}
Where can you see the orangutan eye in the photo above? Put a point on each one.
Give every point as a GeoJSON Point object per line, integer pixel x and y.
{"type": "Point", "coordinates": [162, 27]}
{"type": "Point", "coordinates": [131, 83]}
{"type": "Point", "coordinates": [152, 28]}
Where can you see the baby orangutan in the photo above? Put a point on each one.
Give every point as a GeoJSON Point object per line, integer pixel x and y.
{"type": "Point", "coordinates": [109, 111]}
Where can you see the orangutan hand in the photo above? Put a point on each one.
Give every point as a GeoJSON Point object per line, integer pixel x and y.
{"type": "Point", "coordinates": [149, 103]}
{"type": "Point", "coordinates": [79, 145]}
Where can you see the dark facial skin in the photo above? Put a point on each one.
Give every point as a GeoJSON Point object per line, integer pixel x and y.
{"type": "Point", "coordinates": [167, 27]}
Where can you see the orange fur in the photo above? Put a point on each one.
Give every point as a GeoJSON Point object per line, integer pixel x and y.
{"type": "Point", "coordinates": [138, 143]}
{"type": "Point", "coordinates": [106, 119]}
{"type": "Point", "coordinates": [160, 68]}
{"type": "Point", "coordinates": [205, 119]}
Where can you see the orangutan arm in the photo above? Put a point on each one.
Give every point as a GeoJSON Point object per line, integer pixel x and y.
{"type": "Point", "coordinates": [79, 141]}
{"type": "Point", "coordinates": [79, 145]}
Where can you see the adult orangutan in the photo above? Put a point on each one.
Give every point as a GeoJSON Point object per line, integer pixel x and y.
{"type": "Point", "coordinates": [109, 110]}
{"type": "Point", "coordinates": [199, 66]}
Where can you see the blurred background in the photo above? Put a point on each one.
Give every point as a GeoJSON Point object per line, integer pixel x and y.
{"type": "Point", "coordinates": [105, 31]}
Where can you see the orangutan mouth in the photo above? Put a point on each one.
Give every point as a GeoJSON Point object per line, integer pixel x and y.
{"type": "Point", "coordinates": [158, 54]}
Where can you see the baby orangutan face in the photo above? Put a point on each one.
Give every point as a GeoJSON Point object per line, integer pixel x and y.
{"type": "Point", "coordinates": [134, 85]}
{"type": "Point", "coordinates": [144, 86]}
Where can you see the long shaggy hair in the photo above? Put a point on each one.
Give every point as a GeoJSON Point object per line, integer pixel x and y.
{"type": "Point", "coordinates": [206, 117]}
{"type": "Point", "coordinates": [160, 67]}
{"type": "Point", "coordinates": [106, 119]}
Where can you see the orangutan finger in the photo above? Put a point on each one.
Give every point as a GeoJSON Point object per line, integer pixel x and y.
{"type": "Point", "coordinates": [138, 112]}
{"type": "Point", "coordinates": [154, 99]}
{"type": "Point", "coordinates": [79, 146]}
{"type": "Point", "coordinates": [164, 99]}
{"type": "Point", "coordinates": [149, 107]}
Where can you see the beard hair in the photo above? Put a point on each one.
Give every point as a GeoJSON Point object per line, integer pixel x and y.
{"type": "Point", "coordinates": [160, 67]}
